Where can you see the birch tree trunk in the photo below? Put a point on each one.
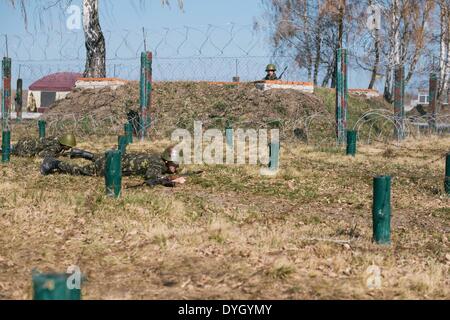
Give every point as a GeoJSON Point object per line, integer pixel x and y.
{"type": "Point", "coordinates": [377, 58]}
{"type": "Point", "coordinates": [94, 41]}
{"type": "Point", "coordinates": [394, 51]}
{"type": "Point", "coordinates": [444, 64]}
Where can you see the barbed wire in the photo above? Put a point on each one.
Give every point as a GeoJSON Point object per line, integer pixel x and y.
{"type": "Point", "coordinates": [125, 44]}
{"type": "Point", "coordinates": [209, 52]}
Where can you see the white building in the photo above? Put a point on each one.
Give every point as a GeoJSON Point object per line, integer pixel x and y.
{"type": "Point", "coordinates": [51, 88]}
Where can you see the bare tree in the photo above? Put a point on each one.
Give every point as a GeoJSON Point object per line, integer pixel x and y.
{"type": "Point", "coordinates": [94, 41]}
{"type": "Point", "coordinates": [94, 38]}
{"type": "Point", "coordinates": [404, 34]}
{"type": "Point", "coordinates": [444, 43]}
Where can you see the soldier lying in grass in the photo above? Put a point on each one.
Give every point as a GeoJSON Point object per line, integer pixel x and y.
{"type": "Point", "coordinates": [156, 169]}
{"type": "Point", "coordinates": [44, 147]}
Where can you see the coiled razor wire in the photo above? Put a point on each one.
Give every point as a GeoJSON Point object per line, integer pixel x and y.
{"type": "Point", "coordinates": [381, 123]}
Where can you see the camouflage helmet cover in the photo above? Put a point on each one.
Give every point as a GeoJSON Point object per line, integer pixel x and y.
{"type": "Point", "coordinates": [171, 155]}
{"type": "Point", "coordinates": [271, 67]}
{"type": "Point", "coordinates": [68, 140]}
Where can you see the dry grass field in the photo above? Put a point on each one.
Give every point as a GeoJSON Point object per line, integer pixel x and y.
{"type": "Point", "coordinates": [232, 233]}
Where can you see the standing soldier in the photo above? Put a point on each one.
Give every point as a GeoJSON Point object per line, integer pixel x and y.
{"type": "Point", "coordinates": [156, 169]}
{"type": "Point", "coordinates": [44, 147]}
{"type": "Point", "coordinates": [271, 72]}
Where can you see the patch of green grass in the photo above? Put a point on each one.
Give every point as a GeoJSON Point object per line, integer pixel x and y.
{"type": "Point", "coordinates": [218, 237]}
{"type": "Point", "coordinates": [220, 106]}
{"type": "Point", "coordinates": [314, 220]}
{"type": "Point", "coordinates": [281, 272]}
{"type": "Point", "coordinates": [442, 213]}
{"type": "Point", "coordinates": [275, 123]}
{"type": "Point", "coordinates": [160, 240]}
{"type": "Point", "coordinates": [281, 109]}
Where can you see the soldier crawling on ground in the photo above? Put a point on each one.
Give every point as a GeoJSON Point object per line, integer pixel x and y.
{"type": "Point", "coordinates": [156, 169]}
{"type": "Point", "coordinates": [44, 147]}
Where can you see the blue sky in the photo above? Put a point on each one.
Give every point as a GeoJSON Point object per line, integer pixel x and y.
{"type": "Point", "coordinates": [210, 28]}
{"type": "Point", "coordinates": [222, 29]}
{"type": "Point", "coordinates": [128, 14]}
{"type": "Point", "coordinates": [119, 15]}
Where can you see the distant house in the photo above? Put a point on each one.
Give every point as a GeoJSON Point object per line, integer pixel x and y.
{"type": "Point", "coordinates": [423, 98]}
{"type": "Point", "coordinates": [51, 88]}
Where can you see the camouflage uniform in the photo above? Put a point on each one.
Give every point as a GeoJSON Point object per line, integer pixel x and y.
{"type": "Point", "coordinates": [150, 166]}
{"type": "Point", "coordinates": [43, 147]}
{"type": "Point", "coordinates": [271, 77]}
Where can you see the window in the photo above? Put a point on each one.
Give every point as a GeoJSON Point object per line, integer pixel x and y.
{"type": "Point", "coordinates": [423, 98]}
{"type": "Point", "coordinates": [47, 98]}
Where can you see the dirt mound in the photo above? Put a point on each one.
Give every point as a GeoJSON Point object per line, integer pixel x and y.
{"type": "Point", "coordinates": [178, 104]}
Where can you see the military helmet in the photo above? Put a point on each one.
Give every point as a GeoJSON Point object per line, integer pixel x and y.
{"type": "Point", "coordinates": [68, 140]}
{"type": "Point", "coordinates": [271, 67]}
{"type": "Point", "coordinates": [171, 155]}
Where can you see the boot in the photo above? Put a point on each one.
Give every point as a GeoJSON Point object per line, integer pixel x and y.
{"type": "Point", "coordinates": [49, 165]}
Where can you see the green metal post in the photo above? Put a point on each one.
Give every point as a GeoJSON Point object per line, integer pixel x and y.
{"type": "Point", "coordinates": [399, 102]}
{"type": "Point", "coordinates": [113, 173]}
{"type": "Point", "coordinates": [122, 144]}
{"type": "Point", "coordinates": [128, 128]}
{"type": "Point", "coordinates": [274, 155]}
{"type": "Point", "coordinates": [42, 124]}
{"type": "Point", "coordinates": [341, 95]}
{"type": "Point", "coordinates": [229, 132]}
{"type": "Point", "coordinates": [433, 91]}
{"type": "Point", "coordinates": [351, 142]}
{"type": "Point", "coordinates": [19, 100]}
{"type": "Point", "coordinates": [447, 174]}
{"type": "Point", "coordinates": [145, 92]}
{"type": "Point", "coordinates": [6, 146]}
{"type": "Point", "coordinates": [6, 92]}
{"type": "Point", "coordinates": [53, 287]}
{"type": "Point", "coordinates": [381, 210]}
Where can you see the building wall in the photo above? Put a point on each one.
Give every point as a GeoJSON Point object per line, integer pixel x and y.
{"type": "Point", "coordinates": [37, 97]}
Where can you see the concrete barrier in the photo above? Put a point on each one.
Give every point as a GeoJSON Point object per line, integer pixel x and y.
{"type": "Point", "coordinates": [306, 87]}
{"type": "Point", "coordinates": [98, 83]}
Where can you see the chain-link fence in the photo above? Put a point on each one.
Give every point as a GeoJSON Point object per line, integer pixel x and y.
{"type": "Point", "coordinates": [206, 53]}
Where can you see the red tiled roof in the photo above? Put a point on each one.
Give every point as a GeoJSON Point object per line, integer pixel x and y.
{"type": "Point", "coordinates": [61, 81]}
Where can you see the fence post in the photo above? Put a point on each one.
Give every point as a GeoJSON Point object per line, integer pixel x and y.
{"type": "Point", "coordinates": [19, 100]}
{"type": "Point", "coordinates": [53, 287]}
{"type": "Point", "coordinates": [274, 155]}
{"type": "Point", "coordinates": [399, 102]}
{"type": "Point", "coordinates": [6, 93]}
{"type": "Point", "coordinates": [122, 144]}
{"type": "Point", "coordinates": [42, 124]}
{"type": "Point", "coordinates": [341, 95]}
{"type": "Point", "coordinates": [6, 146]}
{"type": "Point", "coordinates": [128, 128]}
{"type": "Point", "coordinates": [113, 173]}
{"type": "Point", "coordinates": [381, 210]}
{"type": "Point", "coordinates": [351, 142]}
{"type": "Point", "coordinates": [447, 173]}
{"type": "Point", "coordinates": [145, 92]}
{"type": "Point", "coordinates": [229, 132]}
{"type": "Point", "coordinates": [433, 99]}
